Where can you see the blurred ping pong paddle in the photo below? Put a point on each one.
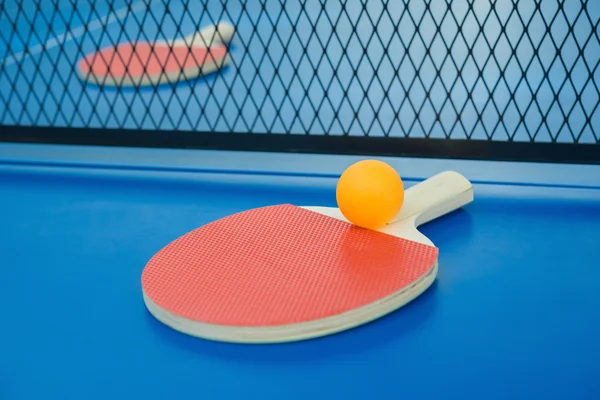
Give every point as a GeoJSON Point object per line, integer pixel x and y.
{"type": "Point", "coordinates": [155, 63]}
{"type": "Point", "coordinates": [284, 273]}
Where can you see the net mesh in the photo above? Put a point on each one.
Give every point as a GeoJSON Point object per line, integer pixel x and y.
{"type": "Point", "coordinates": [523, 71]}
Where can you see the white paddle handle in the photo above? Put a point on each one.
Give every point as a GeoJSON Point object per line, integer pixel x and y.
{"type": "Point", "coordinates": [221, 33]}
{"type": "Point", "coordinates": [434, 197]}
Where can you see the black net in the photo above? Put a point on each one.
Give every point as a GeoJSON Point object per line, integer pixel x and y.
{"type": "Point", "coordinates": [512, 72]}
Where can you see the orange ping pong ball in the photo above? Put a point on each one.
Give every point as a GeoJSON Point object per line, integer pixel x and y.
{"type": "Point", "coordinates": [370, 193]}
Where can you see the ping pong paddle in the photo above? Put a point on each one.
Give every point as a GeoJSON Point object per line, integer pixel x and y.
{"type": "Point", "coordinates": [154, 63]}
{"type": "Point", "coordinates": [284, 273]}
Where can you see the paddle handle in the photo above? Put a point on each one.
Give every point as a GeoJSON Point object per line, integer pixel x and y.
{"type": "Point", "coordinates": [220, 33]}
{"type": "Point", "coordinates": [434, 197]}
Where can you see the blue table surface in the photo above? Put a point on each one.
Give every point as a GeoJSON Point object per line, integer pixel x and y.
{"type": "Point", "coordinates": [513, 313]}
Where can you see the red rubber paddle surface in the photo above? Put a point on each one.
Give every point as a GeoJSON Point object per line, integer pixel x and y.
{"type": "Point", "coordinates": [280, 265]}
{"type": "Point", "coordinates": [137, 59]}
